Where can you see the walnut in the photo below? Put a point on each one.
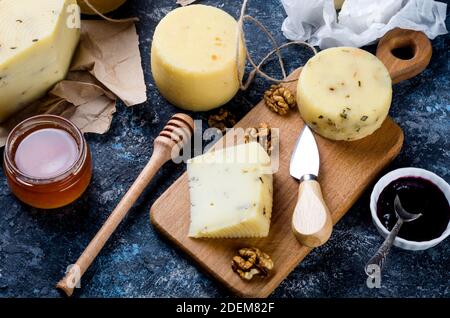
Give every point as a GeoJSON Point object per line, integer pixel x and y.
{"type": "Point", "coordinates": [221, 120]}
{"type": "Point", "coordinates": [264, 135]}
{"type": "Point", "coordinates": [279, 99]}
{"type": "Point", "coordinates": [250, 262]}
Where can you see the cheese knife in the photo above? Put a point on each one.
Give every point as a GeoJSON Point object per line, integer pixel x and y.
{"type": "Point", "coordinates": [311, 221]}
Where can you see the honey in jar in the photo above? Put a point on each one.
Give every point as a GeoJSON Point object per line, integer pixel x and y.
{"type": "Point", "coordinates": [47, 162]}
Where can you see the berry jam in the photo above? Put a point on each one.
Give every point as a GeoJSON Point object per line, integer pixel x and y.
{"type": "Point", "coordinates": [417, 195]}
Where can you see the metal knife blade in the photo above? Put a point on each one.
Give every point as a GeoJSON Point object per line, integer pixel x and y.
{"type": "Point", "coordinates": [305, 158]}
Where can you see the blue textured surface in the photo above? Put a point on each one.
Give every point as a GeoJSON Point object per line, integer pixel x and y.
{"type": "Point", "coordinates": [35, 246]}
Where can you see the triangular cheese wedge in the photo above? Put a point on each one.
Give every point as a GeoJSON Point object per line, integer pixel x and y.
{"type": "Point", "coordinates": [37, 42]}
{"type": "Point", "coordinates": [231, 192]}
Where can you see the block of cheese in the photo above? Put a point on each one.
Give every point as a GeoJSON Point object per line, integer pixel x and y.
{"type": "Point", "coordinates": [231, 192]}
{"type": "Point", "coordinates": [193, 57]}
{"type": "Point", "coordinates": [103, 6]}
{"type": "Point", "coordinates": [37, 41]}
{"type": "Point", "coordinates": [344, 93]}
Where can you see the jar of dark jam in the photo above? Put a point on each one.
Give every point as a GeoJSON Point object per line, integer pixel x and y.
{"type": "Point", "coordinates": [417, 195]}
{"type": "Point", "coordinates": [47, 162]}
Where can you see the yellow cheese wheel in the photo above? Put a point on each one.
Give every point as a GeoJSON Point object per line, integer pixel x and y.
{"type": "Point", "coordinates": [344, 93]}
{"type": "Point", "coordinates": [103, 6]}
{"type": "Point", "coordinates": [193, 57]}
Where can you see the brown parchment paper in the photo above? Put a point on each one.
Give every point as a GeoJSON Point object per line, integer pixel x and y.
{"type": "Point", "coordinates": [106, 66]}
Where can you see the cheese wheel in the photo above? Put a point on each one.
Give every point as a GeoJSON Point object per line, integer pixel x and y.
{"type": "Point", "coordinates": [344, 93]}
{"type": "Point", "coordinates": [37, 41]}
{"type": "Point", "coordinates": [193, 57]}
{"type": "Point", "coordinates": [103, 6]}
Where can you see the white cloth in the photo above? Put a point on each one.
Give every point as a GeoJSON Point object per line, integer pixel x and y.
{"type": "Point", "coordinates": [360, 22]}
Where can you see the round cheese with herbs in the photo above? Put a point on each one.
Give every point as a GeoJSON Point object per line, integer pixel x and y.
{"type": "Point", "coordinates": [102, 6]}
{"type": "Point", "coordinates": [344, 93]}
{"type": "Point", "coordinates": [193, 57]}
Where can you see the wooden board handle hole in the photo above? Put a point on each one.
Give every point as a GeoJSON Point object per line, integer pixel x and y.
{"type": "Point", "coordinates": [405, 52]}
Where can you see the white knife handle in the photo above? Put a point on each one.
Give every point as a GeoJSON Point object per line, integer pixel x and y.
{"type": "Point", "coordinates": [311, 222]}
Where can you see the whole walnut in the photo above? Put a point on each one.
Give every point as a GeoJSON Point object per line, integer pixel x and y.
{"type": "Point", "coordinates": [250, 261]}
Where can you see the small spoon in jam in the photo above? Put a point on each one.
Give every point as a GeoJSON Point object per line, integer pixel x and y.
{"type": "Point", "coordinates": [379, 258]}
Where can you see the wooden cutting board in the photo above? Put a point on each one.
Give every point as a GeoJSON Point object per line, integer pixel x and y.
{"type": "Point", "coordinates": [346, 170]}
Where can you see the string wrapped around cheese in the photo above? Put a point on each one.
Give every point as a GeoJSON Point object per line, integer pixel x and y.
{"type": "Point", "coordinates": [102, 6]}
{"type": "Point", "coordinates": [344, 93]}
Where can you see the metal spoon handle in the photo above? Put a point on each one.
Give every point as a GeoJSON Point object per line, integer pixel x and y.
{"type": "Point", "coordinates": [380, 256]}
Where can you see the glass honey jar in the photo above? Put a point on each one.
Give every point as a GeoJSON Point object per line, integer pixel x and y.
{"type": "Point", "coordinates": [47, 162]}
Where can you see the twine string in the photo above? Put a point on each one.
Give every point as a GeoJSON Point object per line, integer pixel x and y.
{"type": "Point", "coordinates": [94, 9]}
{"type": "Point", "coordinates": [256, 68]}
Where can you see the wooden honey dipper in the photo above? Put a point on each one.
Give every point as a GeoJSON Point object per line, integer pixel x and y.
{"type": "Point", "coordinates": [172, 138]}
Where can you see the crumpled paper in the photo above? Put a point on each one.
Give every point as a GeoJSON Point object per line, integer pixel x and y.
{"type": "Point", "coordinates": [360, 22]}
{"type": "Point", "coordinates": [106, 66]}
{"type": "Point", "coordinates": [184, 3]}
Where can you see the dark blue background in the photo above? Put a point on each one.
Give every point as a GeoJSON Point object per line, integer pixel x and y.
{"type": "Point", "coordinates": [36, 246]}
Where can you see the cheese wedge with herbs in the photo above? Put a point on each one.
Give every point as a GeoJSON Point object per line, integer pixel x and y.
{"type": "Point", "coordinates": [37, 42]}
{"type": "Point", "coordinates": [344, 93]}
{"type": "Point", "coordinates": [193, 57]}
{"type": "Point", "coordinates": [231, 192]}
